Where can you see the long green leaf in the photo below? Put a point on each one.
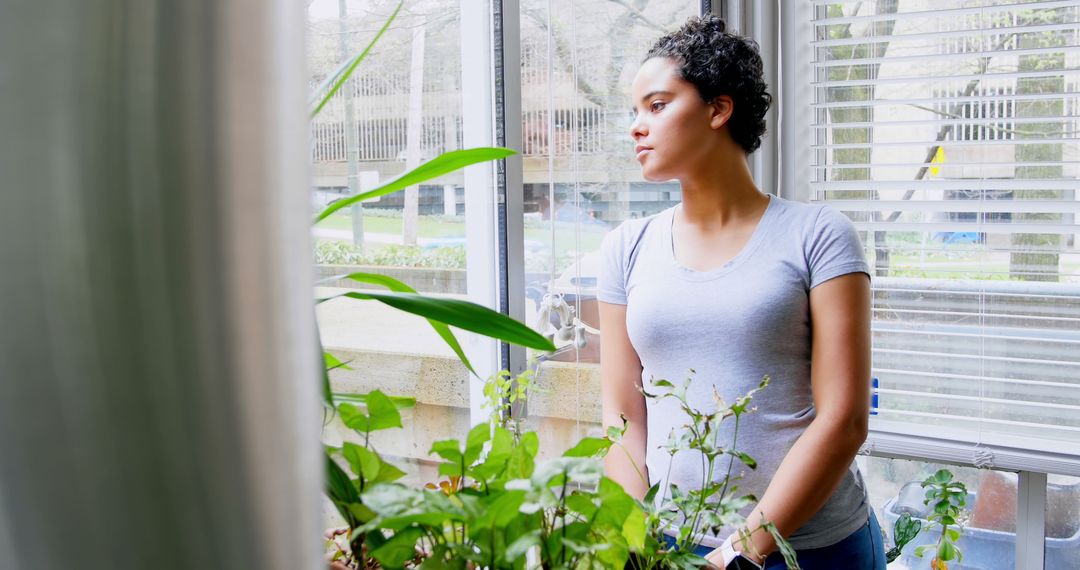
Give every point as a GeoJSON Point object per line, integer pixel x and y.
{"type": "Point", "coordinates": [461, 314]}
{"type": "Point", "coordinates": [443, 164]}
{"type": "Point", "coordinates": [339, 79]}
{"type": "Point", "coordinates": [401, 402]}
{"type": "Point", "coordinates": [328, 399]}
{"type": "Point", "coordinates": [395, 285]}
{"type": "Point", "coordinates": [341, 491]}
{"type": "Point", "coordinates": [333, 363]}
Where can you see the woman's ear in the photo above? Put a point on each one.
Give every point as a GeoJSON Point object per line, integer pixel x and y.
{"type": "Point", "coordinates": [721, 106]}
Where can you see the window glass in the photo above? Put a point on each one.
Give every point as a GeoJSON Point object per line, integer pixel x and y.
{"type": "Point", "coordinates": [401, 107]}
{"type": "Point", "coordinates": [988, 520]}
{"type": "Point", "coordinates": [1062, 522]}
{"type": "Point", "coordinates": [581, 181]}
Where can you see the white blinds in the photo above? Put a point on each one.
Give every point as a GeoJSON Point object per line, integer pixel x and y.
{"type": "Point", "coordinates": [947, 131]}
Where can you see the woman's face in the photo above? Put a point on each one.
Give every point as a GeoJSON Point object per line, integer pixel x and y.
{"type": "Point", "coordinates": [672, 128]}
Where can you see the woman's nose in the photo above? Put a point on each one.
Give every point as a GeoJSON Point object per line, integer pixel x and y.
{"type": "Point", "coordinates": [636, 127]}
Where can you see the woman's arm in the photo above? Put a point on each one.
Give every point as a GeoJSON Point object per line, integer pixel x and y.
{"type": "Point", "coordinates": [840, 380]}
{"type": "Point", "coordinates": [620, 380]}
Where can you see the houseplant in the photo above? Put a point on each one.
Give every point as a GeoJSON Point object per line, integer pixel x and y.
{"type": "Point", "coordinates": [499, 507]}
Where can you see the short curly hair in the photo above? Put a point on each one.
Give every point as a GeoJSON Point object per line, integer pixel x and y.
{"type": "Point", "coordinates": [718, 62]}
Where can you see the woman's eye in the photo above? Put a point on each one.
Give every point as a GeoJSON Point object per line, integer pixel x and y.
{"type": "Point", "coordinates": [657, 105]}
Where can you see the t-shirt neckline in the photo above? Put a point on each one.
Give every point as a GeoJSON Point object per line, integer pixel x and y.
{"type": "Point", "coordinates": [745, 253]}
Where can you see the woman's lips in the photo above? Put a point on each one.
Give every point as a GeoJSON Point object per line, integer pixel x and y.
{"type": "Point", "coordinates": [641, 151]}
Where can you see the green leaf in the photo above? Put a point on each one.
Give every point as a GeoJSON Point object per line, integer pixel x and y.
{"type": "Point", "coordinates": [906, 529]}
{"type": "Point", "coordinates": [746, 459]}
{"type": "Point", "coordinates": [361, 512]}
{"type": "Point", "coordinates": [448, 449]}
{"type": "Point", "coordinates": [946, 551]}
{"type": "Point", "coordinates": [331, 362]}
{"type": "Point", "coordinates": [581, 503]}
{"type": "Point", "coordinates": [614, 433]}
{"type": "Point", "coordinates": [516, 551]}
{"type": "Point", "coordinates": [388, 473]}
{"type": "Point", "coordinates": [400, 287]}
{"type": "Point", "coordinates": [501, 511]}
{"type": "Point", "coordinates": [921, 550]}
{"type": "Point", "coordinates": [588, 447]}
{"type": "Point", "coordinates": [430, 519]}
{"type": "Point", "coordinates": [340, 490]}
{"type": "Point", "coordinates": [384, 414]}
{"type": "Point", "coordinates": [438, 166]}
{"type": "Point", "coordinates": [461, 314]}
{"type": "Point", "coordinates": [353, 418]}
{"type": "Point", "coordinates": [362, 460]}
{"type": "Point", "coordinates": [634, 530]}
{"type": "Point", "coordinates": [521, 463]}
{"type": "Point", "coordinates": [474, 443]}
{"type": "Point", "coordinates": [340, 77]}
{"type": "Point", "coordinates": [501, 445]}
{"type": "Point", "coordinates": [650, 496]}
{"type": "Point", "coordinates": [399, 549]}
{"type": "Point", "coordinates": [400, 402]}
{"type": "Point", "coordinates": [328, 399]}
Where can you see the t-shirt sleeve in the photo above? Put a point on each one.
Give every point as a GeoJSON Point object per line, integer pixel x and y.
{"type": "Point", "coordinates": [834, 248]}
{"type": "Point", "coordinates": [611, 277]}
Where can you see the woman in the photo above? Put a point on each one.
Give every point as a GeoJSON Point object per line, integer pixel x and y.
{"type": "Point", "coordinates": [737, 284]}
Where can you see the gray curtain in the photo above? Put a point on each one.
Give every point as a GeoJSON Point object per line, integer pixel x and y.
{"type": "Point", "coordinates": [158, 364]}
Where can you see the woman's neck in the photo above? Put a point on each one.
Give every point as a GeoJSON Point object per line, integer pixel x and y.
{"type": "Point", "coordinates": [720, 192]}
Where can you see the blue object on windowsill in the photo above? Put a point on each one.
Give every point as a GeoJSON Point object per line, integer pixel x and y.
{"type": "Point", "coordinates": [873, 396]}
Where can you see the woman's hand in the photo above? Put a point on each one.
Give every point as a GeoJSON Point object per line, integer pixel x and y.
{"type": "Point", "coordinates": [716, 557]}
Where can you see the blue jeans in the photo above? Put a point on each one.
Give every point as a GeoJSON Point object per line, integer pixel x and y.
{"type": "Point", "coordinates": [861, 550]}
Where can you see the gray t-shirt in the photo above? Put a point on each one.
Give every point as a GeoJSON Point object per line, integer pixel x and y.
{"type": "Point", "coordinates": [732, 325]}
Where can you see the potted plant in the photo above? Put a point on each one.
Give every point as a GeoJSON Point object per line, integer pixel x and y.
{"type": "Point", "coordinates": [498, 507]}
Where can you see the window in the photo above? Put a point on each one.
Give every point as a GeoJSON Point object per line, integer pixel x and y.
{"type": "Point", "coordinates": [947, 132]}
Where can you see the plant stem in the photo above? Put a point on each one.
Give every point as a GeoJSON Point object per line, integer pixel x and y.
{"type": "Point", "coordinates": [727, 478]}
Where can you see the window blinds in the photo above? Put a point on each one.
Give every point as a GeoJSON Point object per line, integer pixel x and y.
{"type": "Point", "coordinates": [947, 131]}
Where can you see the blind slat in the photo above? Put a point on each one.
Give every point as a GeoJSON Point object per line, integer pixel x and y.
{"type": "Point", "coordinates": [925, 353]}
{"type": "Point", "coordinates": [946, 144]}
{"type": "Point", "coordinates": [973, 121]}
{"type": "Point", "coordinates": [961, 397]}
{"type": "Point", "coordinates": [918, 79]}
{"type": "Point", "coordinates": [978, 378]}
{"type": "Point", "coordinates": [922, 36]}
{"type": "Point", "coordinates": [947, 184]}
{"type": "Point", "coordinates": [944, 13]}
{"type": "Point", "coordinates": [974, 206]}
{"type": "Point", "coordinates": [995, 228]}
{"type": "Point", "coordinates": [956, 417]}
{"type": "Point", "coordinates": [968, 181]}
{"type": "Point", "coordinates": [1001, 53]}
{"type": "Point", "coordinates": [951, 101]}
